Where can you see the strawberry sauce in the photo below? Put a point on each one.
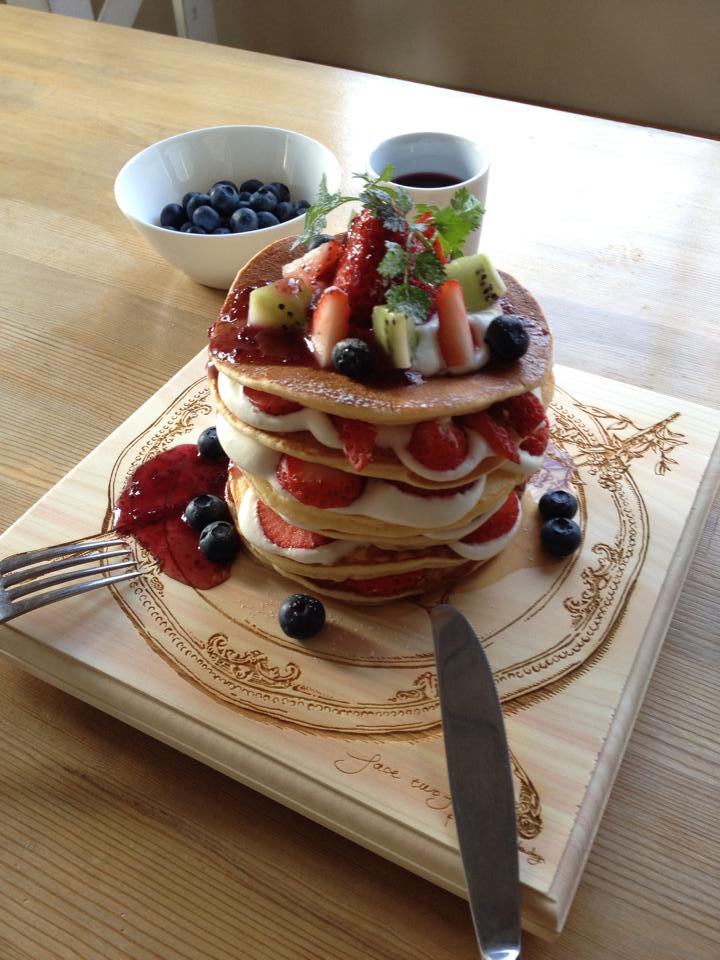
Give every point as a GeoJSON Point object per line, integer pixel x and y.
{"type": "Point", "coordinates": [151, 508]}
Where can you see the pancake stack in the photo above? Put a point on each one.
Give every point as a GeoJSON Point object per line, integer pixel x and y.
{"type": "Point", "coordinates": [375, 490]}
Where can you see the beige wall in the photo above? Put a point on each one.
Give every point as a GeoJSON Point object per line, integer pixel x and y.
{"type": "Point", "coordinates": [653, 61]}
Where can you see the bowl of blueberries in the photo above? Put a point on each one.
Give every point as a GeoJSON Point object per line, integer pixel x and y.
{"type": "Point", "coordinates": [208, 200]}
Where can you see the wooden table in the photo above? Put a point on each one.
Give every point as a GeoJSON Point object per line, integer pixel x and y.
{"type": "Point", "coordinates": [115, 846]}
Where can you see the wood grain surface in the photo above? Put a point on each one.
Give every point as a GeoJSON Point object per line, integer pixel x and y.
{"type": "Point", "coordinates": [114, 846]}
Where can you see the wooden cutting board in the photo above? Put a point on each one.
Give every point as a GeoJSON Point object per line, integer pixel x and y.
{"type": "Point", "coordinates": [346, 728]}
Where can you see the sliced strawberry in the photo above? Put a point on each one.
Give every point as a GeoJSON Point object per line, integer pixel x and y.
{"type": "Point", "coordinates": [500, 523]}
{"type": "Point", "coordinates": [284, 534]}
{"type": "Point", "coordinates": [316, 266]}
{"type": "Point", "coordinates": [330, 323]}
{"type": "Point", "coordinates": [525, 413]}
{"type": "Point", "coordinates": [317, 485]}
{"type": "Point", "coordinates": [357, 272]}
{"type": "Point", "coordinates": [270, 403]}
{"type": "Point", "coordinates": [537, 442]}
{"type": "Point", "coordinates": [430, 494]}
{"type": "Point", "coordinates": [432, 234]}
{"type": "Point", "coordinates": [496, 436]}
{"type": "Point", "coordinates": [358, 440]}
{"type": "Point", "coordinates": [454, 334]}
{"type": "Point", "coordinates": [384, 586]}
{"type": "Point", "coordinates": [439, 444]}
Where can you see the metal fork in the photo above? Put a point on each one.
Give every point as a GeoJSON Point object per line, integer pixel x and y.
{"type": "Point", "coordinates": [26, 577]}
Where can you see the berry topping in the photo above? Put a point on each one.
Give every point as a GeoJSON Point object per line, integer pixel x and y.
{"type": "Point", "coordinates": [500, 523]}
{"type": "Point", "coordinates": [358, 440]}
{"type": "Point", "coordinates": [494, 434]}
{"type": "Point", "coordinates": [270, 403]}
{"type": "Point", "coordinates": [205, 509]}
{"type": "Point", "coordinates": [209, 445]}
{"type": "Point", "coordinates": [507, 338]}
{"type": "Point", "coordinates": [317, 485]}
{"type": "Point", "coordinates": [537, 442]}
{"type": "Point", "coordinates": [439, 445]}
{"type": "Point", "coordinates": [284, 534]}
{"type": "Point", "coordinates": [560, 536]}
{"type": "Point", "coordinates": [558, 503]}
{"type": "Point", "coordinates": [525, 413]}
{"type": "Point", "coordinates": [330, 323]}
{"type": "Point", "coordinates": [357, 273]}
{"type": "Point", "coordinates": [352, 358]}
{"type": "Point", "coordinates": [219, 542]}
{"type": "Point", "coordinates": [317, 265]}
{"type": "Point", "coordinates": [301, 616]}
{"type": "Point", "coordinates": [454, 334]}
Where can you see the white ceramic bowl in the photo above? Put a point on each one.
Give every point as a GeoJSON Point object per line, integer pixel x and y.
{"type": "Point", "coordinates": [164, 172]}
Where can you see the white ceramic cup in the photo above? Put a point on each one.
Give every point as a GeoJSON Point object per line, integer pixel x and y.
{"type": "Point", "coordinates": [442, 154]}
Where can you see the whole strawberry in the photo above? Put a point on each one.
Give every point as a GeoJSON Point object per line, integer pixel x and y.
{"type": "Point", "coordinates": [357, 273]}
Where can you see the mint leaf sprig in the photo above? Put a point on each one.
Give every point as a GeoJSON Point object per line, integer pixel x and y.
{"type": "Point", "coordinates": [414, 263]}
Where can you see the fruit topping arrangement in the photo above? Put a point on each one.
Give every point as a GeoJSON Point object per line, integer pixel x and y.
{"type": "Point", "coordinates": [392, 293]}
{"type": "Point", "coordinates": [227, 208]}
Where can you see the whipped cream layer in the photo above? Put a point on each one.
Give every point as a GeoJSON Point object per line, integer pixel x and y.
{"type": "Point", "coordinates": [428, 358]}
{"type": "Point", "coordinates": [328, 554]}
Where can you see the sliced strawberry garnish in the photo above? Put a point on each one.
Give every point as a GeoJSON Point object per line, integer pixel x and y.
{"type": "Point", "coordinates": [500, 523]}
{"type": "Point", "coordinates": [384, 586]}
{"type": "Point", "coordinates": [496, 436]}
{"type": "Point", "coordinates": [525, 413]}
{"type": "Point", "coordinates": [537, 442]}
{"type": "Point", "coordinates": [454, 334]}
{"type": "Point", "coordinates": [317, 485]}
{"type": "Point", "coordinates": [316, 266]}
{"type": "Point", "coordinates": [430, 494]}
{"type": "Point", "coordinates": [358, 440]}
{"type": "Point", "coordinates": [330, 323]}
{"type": "Point", "coordinates": [432, 234]}
{"type": "Point", "coordinates": [439, 444]}
{"type": "Point", "coordinates": [357, 272]}
{"type": "Point", "coordinates": [284, 534]}
{"type": "Point", "coordinates": [270, 403]}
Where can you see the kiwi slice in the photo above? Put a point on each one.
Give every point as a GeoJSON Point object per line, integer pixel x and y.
{"type": "Point", "coordinates": [482, 284]}
{"type": "Point", "coordinates": [396, 334]}
{"type": "Point", "coordinates": [282, 304]}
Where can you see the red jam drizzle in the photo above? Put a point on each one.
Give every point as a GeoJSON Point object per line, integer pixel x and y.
{"type": "Point", "coordinates": [151, 508]}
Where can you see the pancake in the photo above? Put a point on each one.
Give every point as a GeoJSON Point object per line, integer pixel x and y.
{"type": "Point", "coordinates": [412, 398]}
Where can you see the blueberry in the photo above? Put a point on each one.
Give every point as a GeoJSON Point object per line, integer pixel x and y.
{"type": "Point", "coordinates": [302, 206]}
{"type": "Point", "coordinates": [266, 219]}
{"type": "Point", "coordinates": [263, 200]}
{"type": "Point", "coordinates": [188, 197]}
{"type": "Point", "coordinates": [507, 338]}
{"type": "Point", "coordinates": [197, 200]}
{"type": "Point", "coordinates": [209, 446]}
{"type": "Point", "coordinates": [219, 230]}
{"type": "Point", "coordinates": [301, 616]}
{"type": "Point", "coordinates": [172, 215]}
{"type": "Point", "coordinates": [224, 199]}
{"type": "Point", "coordinates": [352, 358]}
{"type": "Point", "coordinates": [279, 189]}
{"type": "Point", "coordinates": [186, 227]}
{"type": "Point", "coordinates": [250, 186]}
{"type": "Point", "coordinates": [219, 542]}
{"type": "Point", "coordinates": [207, 218]}
{"type": "Point", "coordinates": [243, 220]}
{"type": "Point", "coordinates": [195, 229]}
{"type": "Point", "coordinates": [205, 509]}
{"type": "Point", "coordinates": [319, 240]}
{"type": "Point", "coordinates": [223, 183]}
{"type": "Point", "coordinates": [558, 503]}
{"type": "Point", "coordinates": [284, 211]}
{"type": "Point", "coordinates": [245, 195]}
{"type": "Point", "coordinates": [560, 536]}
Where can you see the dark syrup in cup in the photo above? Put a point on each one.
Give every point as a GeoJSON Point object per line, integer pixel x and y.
{"type": "Point", "coordinates": [426, 180]}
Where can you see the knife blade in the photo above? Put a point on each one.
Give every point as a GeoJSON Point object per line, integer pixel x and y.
{"type": "Point", "coordinates": [481, 783]}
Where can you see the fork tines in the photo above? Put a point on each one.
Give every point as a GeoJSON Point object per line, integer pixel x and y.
{"type": "Point", "coordinates": [25, 578]}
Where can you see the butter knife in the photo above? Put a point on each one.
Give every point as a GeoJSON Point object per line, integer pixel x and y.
{"type": "Point", "coordinates": [481, 783]}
